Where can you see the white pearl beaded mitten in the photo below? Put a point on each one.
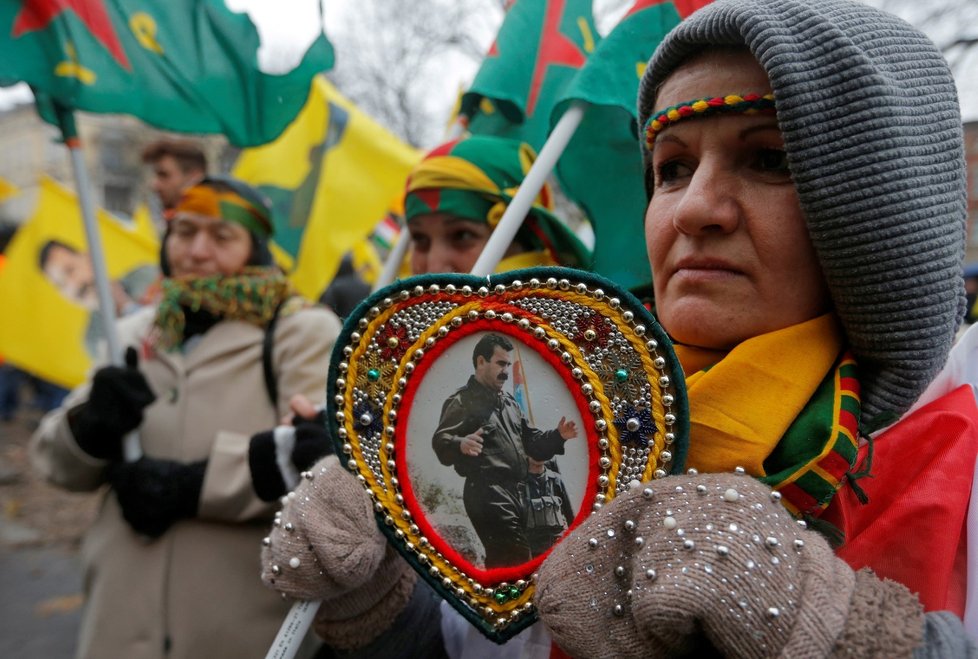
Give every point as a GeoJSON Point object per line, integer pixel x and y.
{"type": "Point", "coordinates": [325, 542]}
{"type": "Point", "coordinates": [716, 556]}
{"type": "Point", "coordinates": [325, 545]}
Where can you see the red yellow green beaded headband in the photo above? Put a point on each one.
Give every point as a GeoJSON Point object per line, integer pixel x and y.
{"type": "Point", "coordinates": [704, 107]}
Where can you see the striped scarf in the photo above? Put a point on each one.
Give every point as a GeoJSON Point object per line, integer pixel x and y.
{"type": "Point", "coordinates": [784, 406]}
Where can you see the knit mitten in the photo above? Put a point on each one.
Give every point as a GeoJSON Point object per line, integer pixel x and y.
{"type": "Point", "coordinates": [325, 545]}
{"type": "Point", "coordinates": [153, 494]}
{"type": "Point", "coordinates": [115, 405]}
{"type": "Point", "coordinates": [711, 560]}
{"type": "Point", "coordinates": [277, 457]}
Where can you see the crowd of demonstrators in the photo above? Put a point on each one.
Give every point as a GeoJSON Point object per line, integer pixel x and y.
{"type": "Point", "coordinates": [170, 559]}
{"type": "Point", "coordinates": [805, 229]}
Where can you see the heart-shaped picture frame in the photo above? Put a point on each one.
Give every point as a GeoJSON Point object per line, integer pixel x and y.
{"type": "Point", "coordinates": [486, 417]}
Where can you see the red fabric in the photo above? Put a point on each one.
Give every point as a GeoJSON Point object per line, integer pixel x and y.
{"type": "Point", "coordinates": [913, 528]}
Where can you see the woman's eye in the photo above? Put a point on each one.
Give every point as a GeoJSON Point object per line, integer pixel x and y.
{"type": "Point", "coordinates": [464, 236]}
{"type": "Point", "coordinates": [420, 242]}
{"type": "Point", "coordinates": [772, 160]}
{"type": "Point", "coordinates": [669, 171]}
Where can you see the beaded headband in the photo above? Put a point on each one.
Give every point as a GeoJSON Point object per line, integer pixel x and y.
{"type": "Point", "coordinates": [704, 107]}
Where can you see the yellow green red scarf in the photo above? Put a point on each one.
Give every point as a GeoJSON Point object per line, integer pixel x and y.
{"type": "Point", "coordinates": [783, 405]}
{"type": "Point", "coordinates": [252, 297]}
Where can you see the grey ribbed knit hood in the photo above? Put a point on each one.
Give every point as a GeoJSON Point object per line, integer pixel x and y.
{"type": "Point", "coordinates": [873, 134]}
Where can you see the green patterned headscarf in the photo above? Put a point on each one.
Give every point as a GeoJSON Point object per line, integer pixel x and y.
{"type": "Point", "coordinates": [476, 178]}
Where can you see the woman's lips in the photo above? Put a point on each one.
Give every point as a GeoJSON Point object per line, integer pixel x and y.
{"type": "Point", "coordinates": [705, 267]}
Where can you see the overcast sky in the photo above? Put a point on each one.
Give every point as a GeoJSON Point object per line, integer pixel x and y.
{"type": "Point", "coordinates": [288, 26]}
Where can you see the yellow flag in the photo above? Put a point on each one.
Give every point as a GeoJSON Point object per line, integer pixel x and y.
{"type": "Point", "coordinates": [47, 290]}
{"type": "Point", "coordinates": [330, 176]}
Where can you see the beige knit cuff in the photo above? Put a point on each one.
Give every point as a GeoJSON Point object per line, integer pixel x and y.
{"type": "Point", "coordinates": [885, 620]}
{"type": "Point", "coordinates": [359, 617]}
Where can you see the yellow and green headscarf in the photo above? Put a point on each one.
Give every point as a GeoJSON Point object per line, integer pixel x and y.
{"type": "Point", "coordinates": [230, 200]}
{"type": "Point", "coordinates": [476, 178]}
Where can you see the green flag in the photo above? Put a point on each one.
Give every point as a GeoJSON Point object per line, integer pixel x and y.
{"type": "Point", "coordinates": [601, 169]}
{"type": "Point", "coordinates": [539, 48]}
{"type": "Point", "coordinates": [181, 65]}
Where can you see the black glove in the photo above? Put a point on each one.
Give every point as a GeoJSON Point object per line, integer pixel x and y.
{"type": "Point", "coordinates": [115, 407]}
{"type": "Point", "coordinates": [155, 493]}
{"type": "Point", "coordinates": [312, 442]}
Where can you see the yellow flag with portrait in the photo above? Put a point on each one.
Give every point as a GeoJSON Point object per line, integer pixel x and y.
{"type": "Point", "coordinates": [331, 177]}
{"type": "Point", "coordinates": [52, 325]}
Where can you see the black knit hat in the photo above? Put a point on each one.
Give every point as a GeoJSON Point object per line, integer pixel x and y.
{"type": "Point", "coordinates": [873, 135]}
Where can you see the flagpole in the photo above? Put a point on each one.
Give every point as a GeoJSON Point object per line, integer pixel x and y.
{"type": "Point", "coordinates": [66, 121]}
{"type": "Point", "coordinates": [511, 221]}
{"type": "Point", "coordinates": [394, 259]}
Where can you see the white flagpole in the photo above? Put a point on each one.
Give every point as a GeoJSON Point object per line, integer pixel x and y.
{"type": "Point", "coordinates": [131, 449]}
{"type": "Point", "coordinates": [394, 259]}
{"type": "Point", "coordinates": [502, 236]}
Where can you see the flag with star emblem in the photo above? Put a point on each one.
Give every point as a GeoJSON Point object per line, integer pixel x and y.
{"type": "Point", "coordinates": [540, 46]}
{"type": "Point", "coordinates": [180, 65]}
{"type": "Point", "coordinates": [601, 168]}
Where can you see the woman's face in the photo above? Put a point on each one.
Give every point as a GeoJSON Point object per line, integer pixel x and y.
{"type": "Point", "coordinates": [441, 242]}
{"type": "Point", "coordinates": [727, 242]}
{"type": "Point", "coordinates": [200, 246]}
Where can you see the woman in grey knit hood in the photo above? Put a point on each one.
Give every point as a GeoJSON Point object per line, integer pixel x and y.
{"type": "Point", "coordinates": [805, 228]}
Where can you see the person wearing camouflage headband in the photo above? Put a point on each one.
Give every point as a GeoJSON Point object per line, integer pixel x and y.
{"type": "Point", "coordinates": [456, 196]}
{"type": "Point", "coordinates": [180, 526]}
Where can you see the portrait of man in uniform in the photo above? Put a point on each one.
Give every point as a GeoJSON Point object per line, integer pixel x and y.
{"type": "Point", "coordinates": [484, 435]}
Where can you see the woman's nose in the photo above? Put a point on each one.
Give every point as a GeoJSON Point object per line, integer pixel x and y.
{"type": "Point", "coordinates": [441, 258]}
{"type": "Point", "coordinates": [201, 245]}
{"type": "Point", "coordinates": [710, 202]}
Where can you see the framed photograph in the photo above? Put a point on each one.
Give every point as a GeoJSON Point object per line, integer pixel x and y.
{"type": "Point", "coordinates": [487, 417]}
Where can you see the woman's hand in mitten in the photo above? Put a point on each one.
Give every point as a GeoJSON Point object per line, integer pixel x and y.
{"type": "Point", "coordinates": [711, 560]}
{"type": "Point", "coordinates": [325, 545]}
{"type": "Point", "coordinates": [115, 405]}
{"type": "Point", "coordinates": [153, 494]}
{"type": "Point", "coordinates": [278, 456]}
{"type": "Point", "coordinates": [325, 542]}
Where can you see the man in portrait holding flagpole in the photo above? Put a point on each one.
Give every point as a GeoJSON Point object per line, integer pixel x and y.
{"type": "Point", "coordinates": [484, 435]}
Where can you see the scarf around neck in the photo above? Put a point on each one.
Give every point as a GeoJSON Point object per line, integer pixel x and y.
{"type": "Point", "coordinates": [783, 405]}
{"type": "Point", "coordinates": [252, 297]}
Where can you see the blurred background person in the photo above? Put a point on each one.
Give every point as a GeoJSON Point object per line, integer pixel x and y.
{"type": "Point", "coordinates": [177, 164]}
{"type": "Point", "coordinates": [170, 558]}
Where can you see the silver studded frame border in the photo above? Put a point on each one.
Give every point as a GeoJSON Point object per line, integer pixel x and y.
{"type": "Point", "coordinates": [628, 386]}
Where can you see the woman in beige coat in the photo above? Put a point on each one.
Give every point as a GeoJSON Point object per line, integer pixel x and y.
{"type": "Point", "coordinates": [171, 562]}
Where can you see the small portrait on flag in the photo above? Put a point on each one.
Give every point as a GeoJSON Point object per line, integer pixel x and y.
{"type": "Point", "coordinates": [70, 271]}
{"type": "Point", "coordinates": [496, 450]}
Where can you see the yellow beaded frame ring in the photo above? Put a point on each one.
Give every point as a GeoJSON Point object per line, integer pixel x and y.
{"type": "Point", "coordinates": [588, 399]}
